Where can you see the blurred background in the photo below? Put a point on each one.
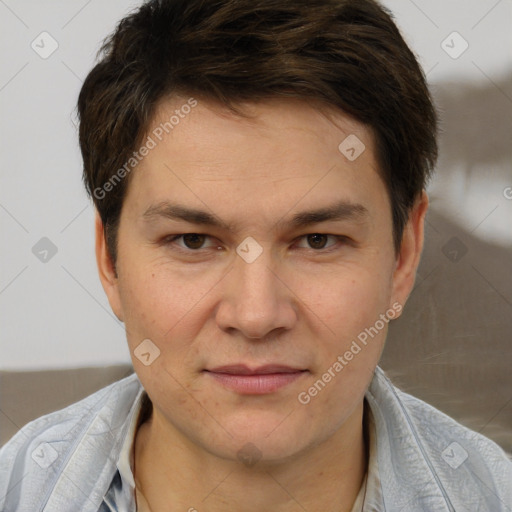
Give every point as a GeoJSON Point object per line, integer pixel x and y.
{"type": "Point", "coordinates": [59, 340]}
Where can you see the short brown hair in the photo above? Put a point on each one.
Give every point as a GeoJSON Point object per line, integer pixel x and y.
{"type": "Point", "coordinates": [348, 54]}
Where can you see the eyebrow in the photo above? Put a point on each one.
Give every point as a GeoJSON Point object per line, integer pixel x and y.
{"type": "Point", "coordinates": [341, 210]}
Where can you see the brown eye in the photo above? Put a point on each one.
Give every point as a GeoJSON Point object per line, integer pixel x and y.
{"type": "Point", "coordinates": [317, 240]}
{"type": "Point", "coordinates": [322, 243]}
{"type": "Point", "coordinates": [190, 244]}
{"type": "Point", "coordinates": [193, 240]}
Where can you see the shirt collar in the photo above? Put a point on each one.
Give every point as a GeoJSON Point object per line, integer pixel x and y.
{"type": "Point", "coordinates": [121, 494]}
{"type": "Point", "coordinates": [370, 493]}
{"type": "Point", "coordinates": [125, 460]}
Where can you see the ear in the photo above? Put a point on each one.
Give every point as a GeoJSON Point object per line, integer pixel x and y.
{"type": "Point", "coordinates": [410, 251]}
{"type": "Point", "coordinates": [106, 270]}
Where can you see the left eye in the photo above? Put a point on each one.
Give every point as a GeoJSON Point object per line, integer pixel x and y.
{"type": "Point", "coordinates": [318, 241]}
{"type": "Point", "coordinates": [195, 241]}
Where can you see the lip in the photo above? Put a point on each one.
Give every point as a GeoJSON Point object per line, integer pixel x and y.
{"type": "Point", "coordinates": [255, 381]}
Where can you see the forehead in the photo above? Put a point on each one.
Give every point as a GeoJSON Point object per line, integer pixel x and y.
{"type": "Point", "coordinates": [288, 125]}
{"type": "Point", "coordinates": [285, 150]}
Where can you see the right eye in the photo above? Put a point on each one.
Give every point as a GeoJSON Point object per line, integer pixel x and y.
{"type": "Point", "coordinates": [192, 242]}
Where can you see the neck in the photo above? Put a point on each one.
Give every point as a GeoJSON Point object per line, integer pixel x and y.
{"type": "Point", "coordinates": [325, 477]}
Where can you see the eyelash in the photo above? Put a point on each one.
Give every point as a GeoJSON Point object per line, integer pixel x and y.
{"type": "Point", "coordinates": [170, 240]}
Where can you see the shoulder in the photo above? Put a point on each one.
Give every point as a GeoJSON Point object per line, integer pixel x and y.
{"type": "Point", "coordinates": [76, 414]}
{"type": "Point", "coordinates": [33, 461]}
{"type": "Point", "coordinates": [442, 456]}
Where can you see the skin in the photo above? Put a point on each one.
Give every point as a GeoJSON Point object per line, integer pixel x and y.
{"type": "Point", "coordinates": [300, 303]}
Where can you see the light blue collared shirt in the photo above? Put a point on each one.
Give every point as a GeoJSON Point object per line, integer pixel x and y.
{"type": "Point", "coordinates": [79, 458]}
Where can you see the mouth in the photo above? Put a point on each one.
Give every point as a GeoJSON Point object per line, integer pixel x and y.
{"type": "Point", "coordinates": [255, 381]}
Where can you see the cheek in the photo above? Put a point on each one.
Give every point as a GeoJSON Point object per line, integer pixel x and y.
{"type": "Point", "coordinates": [160, 301]}
{"type": "Point", "coordinates": [349, 304]}
{"type": "Point", "coordinates": [346, 299]}
{"type": "Point", "coordinates": [350, 348]}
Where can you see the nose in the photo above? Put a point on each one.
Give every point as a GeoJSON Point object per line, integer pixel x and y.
{"type": "Point", "coordinates": [256, 301]}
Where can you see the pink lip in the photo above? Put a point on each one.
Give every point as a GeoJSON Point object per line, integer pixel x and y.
{"type": "Point", "coordinates": [255, 381]}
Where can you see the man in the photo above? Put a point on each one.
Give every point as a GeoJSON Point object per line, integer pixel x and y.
{"type": "Point", "coordinates": [258, 170]}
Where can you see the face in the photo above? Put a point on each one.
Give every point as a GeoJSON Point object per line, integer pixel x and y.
{"type": "Point", "coordinates": [266, 314]}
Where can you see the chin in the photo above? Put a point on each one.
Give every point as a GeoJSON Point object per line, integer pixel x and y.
{"type": "Point", "coordinates": [260, 440]}
{"type": "Point", "coordinates": [251, 452]}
